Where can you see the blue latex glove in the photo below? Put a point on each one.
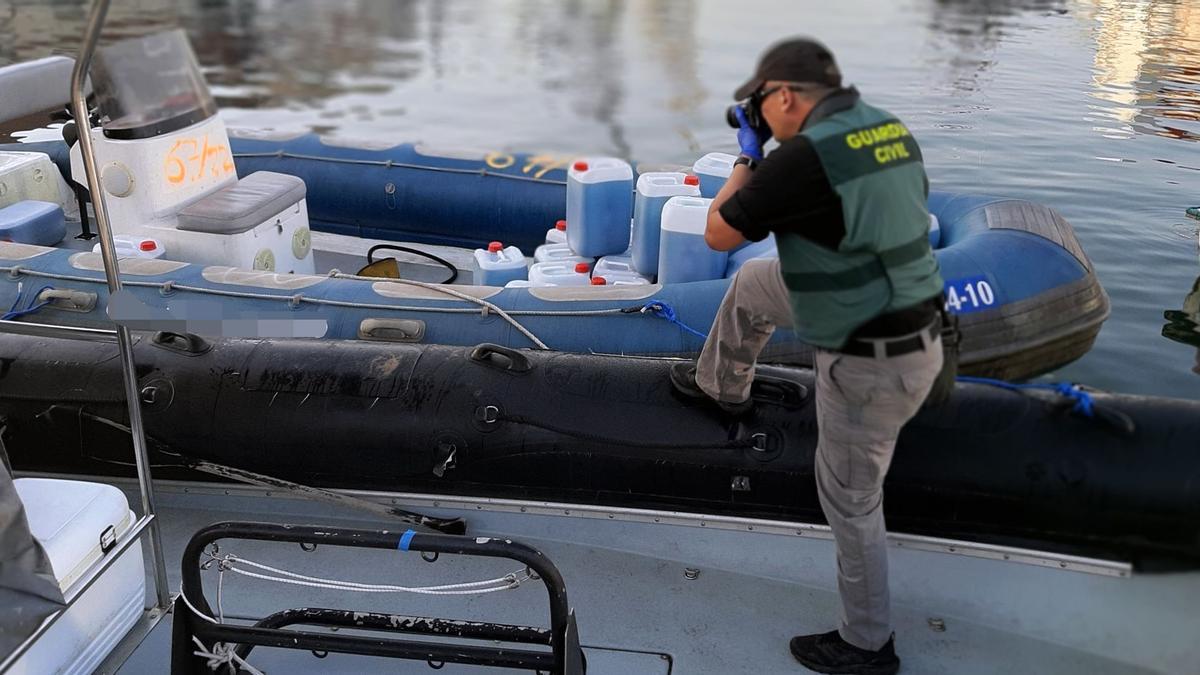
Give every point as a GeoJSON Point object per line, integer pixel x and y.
{"type": "Point", "coordinates": [750, 140]}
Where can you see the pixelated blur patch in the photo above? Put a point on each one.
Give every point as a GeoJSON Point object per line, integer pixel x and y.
{"type": "Point", "coordinates": [212, 318]}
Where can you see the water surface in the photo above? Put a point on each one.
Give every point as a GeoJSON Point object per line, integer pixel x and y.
{"type": "Point", "coordinates": [1089, 106]}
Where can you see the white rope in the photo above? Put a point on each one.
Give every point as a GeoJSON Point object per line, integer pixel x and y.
{"type": "Point", "coordinates": [183, 596]}
{"type": "Point", "coordinates": [249, 295]}
{"type": "Point", "coordinates": [482, 171]}
{"type": "Point", "coordinates": [232, 559]}
{"type": "Point", "coordinates": [462, 296]}
{"type": "Point", "coordinates": [509, 581]}
{"type": "Point", "coordinates": [220, 595]}
{"type": "Point", "coordinates": [223, 654]}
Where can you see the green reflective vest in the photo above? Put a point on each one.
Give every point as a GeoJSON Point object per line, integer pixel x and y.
{"type": "Point", "coordinates": [884, 263]}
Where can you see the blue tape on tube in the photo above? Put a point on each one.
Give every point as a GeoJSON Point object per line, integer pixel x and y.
{"type": "Point", "coordinates": [406, 539]}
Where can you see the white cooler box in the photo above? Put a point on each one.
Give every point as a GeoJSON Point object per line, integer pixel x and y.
{"type": "Point", "coordinates": [78, 523]}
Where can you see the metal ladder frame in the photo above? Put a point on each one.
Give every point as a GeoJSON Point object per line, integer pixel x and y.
{"type": "Point", "coordinates": [147, 524]}
{"type": "Point", "coordinates": [564, 658]}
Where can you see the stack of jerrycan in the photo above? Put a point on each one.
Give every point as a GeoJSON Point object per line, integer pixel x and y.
{"type": "Point", "coordinates": [713, 170]}
{"type": "Point", "coordinates": [653, 191]}
{"type": "Point", "coordinates": [599, 206]}
{"type": "Point", "coordinates": [669, 213]}
{"type": "Point", "coordinates": [683, 254]}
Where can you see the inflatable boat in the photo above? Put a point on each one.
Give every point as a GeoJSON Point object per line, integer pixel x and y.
{"type": "Point", "coordinates": [1026, 294]}
{"type": "Point", "coordinates": [1113, 476]}
{"type": "Point", "coordinates": [218, 236]}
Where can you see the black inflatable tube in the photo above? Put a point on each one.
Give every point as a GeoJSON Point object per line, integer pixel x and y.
{"type": "Point", "coordinates": [990, 465]}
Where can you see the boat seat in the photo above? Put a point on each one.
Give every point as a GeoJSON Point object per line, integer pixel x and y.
{"type": "Point", "coordinates": [79, 524]}
{"type": "Point", "coordinates": [244, 205]}
{"type": "Point", "coordinates": [33, 222]}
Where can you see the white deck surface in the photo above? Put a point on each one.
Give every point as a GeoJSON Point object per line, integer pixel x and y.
{"type": "Point", "coordinates": [638, 613]}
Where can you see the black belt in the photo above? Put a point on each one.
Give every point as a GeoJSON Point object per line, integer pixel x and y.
{"type": "Point", "coordinates": [894, 346]}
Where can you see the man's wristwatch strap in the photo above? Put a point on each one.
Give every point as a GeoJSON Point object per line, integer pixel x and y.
{"type": "Point", "coordinates": [746, 161]}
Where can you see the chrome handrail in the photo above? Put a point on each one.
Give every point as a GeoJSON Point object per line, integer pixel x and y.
{"type": "Point", "coordinates": [49, 330]}
{"type": "Point", "coordinates": [147, 525]}
{"type": "Point", "coordinates": [108, 252]}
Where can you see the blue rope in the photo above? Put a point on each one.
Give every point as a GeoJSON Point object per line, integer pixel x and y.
{"type": "Point", "coordinates": [1083, 400]}
{"type": "Point", "coordinates": [664, 311]}
{"type": "Point", "coordinates": [17, 299]}
{"type": "Point", "coordinates": [14, 313]}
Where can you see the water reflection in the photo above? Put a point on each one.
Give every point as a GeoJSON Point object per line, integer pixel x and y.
{"type": "Point", "coordinates": [967, 32]}
{"type": "Point", "coordinates": [595, 60]}
{"type": "Point", "coordinates": [668, 27]}
{"type": "Point", "coordinates": [302, 56]}
{"type": "Point", "coordinates": [1147, 65]}
{"type": "Point", "coordinates": [34, 28]}
{"type": "Point", "coordinates": [1183, 325]}
{"type": "Point", "coordinates": [254, 56]}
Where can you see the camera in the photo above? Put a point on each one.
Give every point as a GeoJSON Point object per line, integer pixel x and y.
{"type": "Point", "coordinates": [753, 116]}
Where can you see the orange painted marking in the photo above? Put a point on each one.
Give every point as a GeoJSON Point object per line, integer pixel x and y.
{"type": "Point", "coordinates": [196, 158]}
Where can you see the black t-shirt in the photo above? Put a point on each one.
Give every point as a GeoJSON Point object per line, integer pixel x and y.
{"type": "Point", "coordinates": [788, 192]}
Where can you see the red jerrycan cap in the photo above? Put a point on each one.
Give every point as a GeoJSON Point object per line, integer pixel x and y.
{"type": "Point", "coordinates": [580, 166]}
{"type": "Point", "coordinates": [561, 225]}
{"type": "Point", "coordinates": [583, 268]}
{"type": "Point", "coordinates": [599, 281]}
{"type": "Point", "coordinates": [495, 247]}
{"type": "Point", "coordinates": [691, 180]}
{"type": "Point", "coordinates": [148, 245]}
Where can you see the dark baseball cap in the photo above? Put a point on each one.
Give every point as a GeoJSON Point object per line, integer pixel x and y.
{"type": "Point", "coordinates": [793, 60]}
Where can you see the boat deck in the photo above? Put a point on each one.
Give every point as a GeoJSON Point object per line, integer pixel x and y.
{"type": "Point", "coordinates": [638, 612]}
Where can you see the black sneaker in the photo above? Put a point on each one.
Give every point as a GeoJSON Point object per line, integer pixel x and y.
{"type": "Point", "coordinates": [683, 377]}
{"type": "Point", "coordinates": [829, 653]}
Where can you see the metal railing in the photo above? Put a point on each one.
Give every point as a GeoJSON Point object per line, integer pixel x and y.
{"type": "Point", "coordinates": [193, 614]}
{"type": "Point", "coordinates": [147, 525]}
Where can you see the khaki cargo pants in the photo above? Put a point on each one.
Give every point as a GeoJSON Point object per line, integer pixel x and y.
{"type": "Point", "coordinates": [861, 403]}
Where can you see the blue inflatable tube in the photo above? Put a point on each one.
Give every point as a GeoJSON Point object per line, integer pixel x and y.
{"type": "Point", "coordinates": [402, 192]}
{"type": "Point", "coordinates": [408, 192]}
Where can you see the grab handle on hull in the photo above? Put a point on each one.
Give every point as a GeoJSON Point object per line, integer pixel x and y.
{"type": "Point", "coordinates": [183, 343]}
{"type": "Point", "coordinates": [502, 358]}
{"type": "Point", "coordinates": [392, 330]}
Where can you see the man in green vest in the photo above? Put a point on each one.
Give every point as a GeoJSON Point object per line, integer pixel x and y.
{"type": "Point", "coordinates": [844, 195]}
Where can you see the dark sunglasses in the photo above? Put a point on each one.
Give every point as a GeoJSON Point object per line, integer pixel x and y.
{"type": "Point", "coordinates": [760, 95]}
